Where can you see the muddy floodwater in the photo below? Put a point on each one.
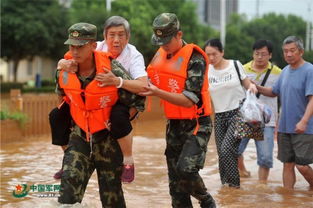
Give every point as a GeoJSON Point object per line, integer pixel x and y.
{"type": "Point", "coordinates": [33, 161]}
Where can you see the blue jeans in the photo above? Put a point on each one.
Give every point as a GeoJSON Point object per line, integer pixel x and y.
{"type": "Point", "coordinates": [264, 148]}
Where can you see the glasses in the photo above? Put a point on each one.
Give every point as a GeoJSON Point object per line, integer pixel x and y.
{"type": "Point", "coordinates": [260, 54]}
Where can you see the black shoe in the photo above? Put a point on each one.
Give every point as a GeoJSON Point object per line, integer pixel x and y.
{"type": "Point", "coordinates": [209, 203]}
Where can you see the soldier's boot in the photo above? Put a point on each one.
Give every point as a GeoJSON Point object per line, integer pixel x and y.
{"type": "Point", "coordinates": [207, 201]}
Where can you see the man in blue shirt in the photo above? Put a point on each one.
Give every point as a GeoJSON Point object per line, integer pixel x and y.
{"type": "Point", "coordinates": [295, 133]}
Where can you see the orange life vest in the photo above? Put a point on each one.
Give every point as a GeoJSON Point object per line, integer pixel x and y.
{"type": "Point", "coordinates": [91, 114]}
{"type": "Point", "coordinates": [171, 74]}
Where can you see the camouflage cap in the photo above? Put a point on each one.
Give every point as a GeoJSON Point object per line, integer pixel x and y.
{"type": "Point", "coordinates": [81, 33]}
{"type": "Point", "coordinates": [165, 26]}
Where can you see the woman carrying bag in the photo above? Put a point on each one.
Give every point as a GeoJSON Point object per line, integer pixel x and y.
{"type": "Point", "coordinates": [226, 89]}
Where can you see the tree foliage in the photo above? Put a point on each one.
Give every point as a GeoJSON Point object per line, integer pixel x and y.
{"type": "Point", "coordinates": [241, 34]}
{"type": "Point", "coordinates": [30, 28]}
{"type": "Point", "coordinates": [237, 42]}
{"type": "Point", "coordinates": [91, 11]}
{"type": "Point", "coordinates": [140, 14]}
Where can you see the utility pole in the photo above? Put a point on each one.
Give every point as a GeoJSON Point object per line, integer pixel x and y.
{"type": "Point", "coordinates": [108, 5]}
{"type": "Point", "coordinates": [223, 21]}
{"type": "Point", "coordinates": [257, 8]}
{"type": "Point", "coordinates": [308, 36]}
{"type": "Point", "coordinates": [311, 37]}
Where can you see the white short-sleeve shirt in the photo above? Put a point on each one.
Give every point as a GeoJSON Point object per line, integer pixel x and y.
{"type": "Point", "coordinates": [225, 88]}
{"type": "Point", "coordinates": [130, 58]}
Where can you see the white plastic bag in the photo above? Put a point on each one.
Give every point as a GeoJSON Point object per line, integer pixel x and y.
{"type": "Point", "coordinates": [267, 113]}
{"type": "Point", "coordinates": [251, 110]}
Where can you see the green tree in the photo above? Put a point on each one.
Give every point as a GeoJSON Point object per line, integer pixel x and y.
{"type": "Point", "coordinates": [275, 28]}
{"type": "Point", "coordinates": [308, 56]}
{"type": "Point", "coordinates": [238, 43]}
{"type": "Point", "coordinates": [91, 11]}
{"type": "Point", "coordinates": [241, 34]}
{"type": "Point", "coordinates": [30, 28]}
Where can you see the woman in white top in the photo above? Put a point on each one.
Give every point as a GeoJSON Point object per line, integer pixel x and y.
{"type": "Point", "coordinates": [226, 89]}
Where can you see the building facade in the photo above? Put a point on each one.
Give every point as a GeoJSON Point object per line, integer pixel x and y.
{"type": "Point", "coordinates": [209, 11]}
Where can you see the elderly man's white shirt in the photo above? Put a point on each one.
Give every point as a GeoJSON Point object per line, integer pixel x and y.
{"type": "Point", "coordinates": [130, 58]}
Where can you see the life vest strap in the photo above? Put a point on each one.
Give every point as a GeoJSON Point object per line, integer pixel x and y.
{"type": "Point", "coordinates": [197, 125]}
{"type": "Point", "coordinates": [149, 103]}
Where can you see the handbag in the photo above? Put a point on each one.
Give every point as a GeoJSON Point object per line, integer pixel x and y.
{"type": "Point", "coordinates": [247, 130]}
{"type": "Point", "coordinates": [249, 121]}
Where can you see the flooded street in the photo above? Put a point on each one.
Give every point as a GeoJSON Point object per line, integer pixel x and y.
{"type": "Point", "coordinates": [33, 161]}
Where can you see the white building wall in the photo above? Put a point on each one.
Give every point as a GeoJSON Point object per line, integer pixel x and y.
{"type": "Point", "coordinates": [27, 69]}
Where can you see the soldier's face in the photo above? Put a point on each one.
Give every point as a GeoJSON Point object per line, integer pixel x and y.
{"type": "Point", "coordinates": [214, 55]}
{"type": "Point", "coordinates": [82, 53]}
{"type": "Point", "coordinates": [116, 39]}
{"type": "Point", "coordinates": [174, 44]}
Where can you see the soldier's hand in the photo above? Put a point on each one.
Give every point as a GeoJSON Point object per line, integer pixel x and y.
{"type": "Point", "coordinates": [68, 65]}
{"type": "Point", "coordinates": [149, 90]}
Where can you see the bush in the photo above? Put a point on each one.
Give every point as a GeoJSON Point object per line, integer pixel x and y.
{"type": "Point", "coordinates": [47, 86]}
{"type": "Point", "coordinates": [7, 86]}
{"type": "Point", "coordinates": [21, 118]}
{"type": "Point", "coordinates": [46, 89]}
{"type": "Point", "coordinates": [46, 82]}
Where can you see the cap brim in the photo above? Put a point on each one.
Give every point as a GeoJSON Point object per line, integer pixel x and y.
{"type": "Point", "coordinates": [158, 41]}
{"type": "Point", "coordinates": [76, 42]}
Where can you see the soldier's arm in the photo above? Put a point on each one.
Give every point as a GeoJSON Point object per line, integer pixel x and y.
{"type": "Point", "coordinates": [195, 77]}
{"type": "Point", "coordinates": [174, 98]}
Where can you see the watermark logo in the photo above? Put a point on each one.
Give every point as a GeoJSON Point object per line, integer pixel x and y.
{"type": "Point", "coordinates": [20, 191]}
{"type": "Point", "coordinates": [40, 190]}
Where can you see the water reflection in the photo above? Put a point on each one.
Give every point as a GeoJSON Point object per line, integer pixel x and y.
{"type": "Point", "coordinates": [35, 160]}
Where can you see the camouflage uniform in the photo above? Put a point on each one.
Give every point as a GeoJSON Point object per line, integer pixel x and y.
{"type": "Point", "coordinates": [107, 157]}
{"type": "Point", "coordinates": [126, 97]}
{"type": "Point", "coordinates": [79, 164]}
{"type": "Point", "coordinates": [185, 152]}
{"type": "Point", "coordinates": [102, 153]}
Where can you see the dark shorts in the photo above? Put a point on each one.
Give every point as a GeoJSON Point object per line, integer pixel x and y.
{"type": "Point", "coordinates": [120, 123]}
{"type": "Point", "coordinates": [295, 148]}
{"type": "Point", "coordinates": [60, 123]}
